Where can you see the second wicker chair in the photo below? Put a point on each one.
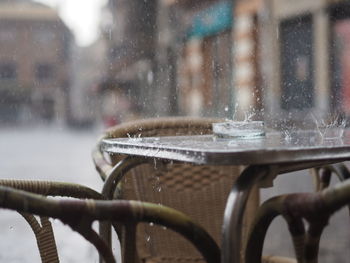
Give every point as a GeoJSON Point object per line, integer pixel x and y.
{"type": "Point", "coordinates": [198, 191]}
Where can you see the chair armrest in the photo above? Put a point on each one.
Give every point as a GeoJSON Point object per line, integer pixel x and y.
{"type": "Point", "coordinates": [79, 215]}
{"type": "Point", "coordinates": [315, 208]}
{"type": "Point", "coordinates": [50, 188]}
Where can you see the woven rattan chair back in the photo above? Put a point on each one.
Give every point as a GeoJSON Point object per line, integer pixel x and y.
{"type": "Point", "coordinates": [198, 191]}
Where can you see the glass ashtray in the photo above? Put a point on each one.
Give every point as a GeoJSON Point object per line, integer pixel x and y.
{"type": "Point", "coordinates": [239, 129]}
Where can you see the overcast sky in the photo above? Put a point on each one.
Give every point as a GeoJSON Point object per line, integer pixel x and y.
{"type": "Point", "coordinates": [82, 16]}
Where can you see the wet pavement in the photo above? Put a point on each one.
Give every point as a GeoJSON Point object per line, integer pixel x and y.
{"type": "Point", "coordinates": [46, 153]}
{"type": "Point", "coordinates": [52, 153]}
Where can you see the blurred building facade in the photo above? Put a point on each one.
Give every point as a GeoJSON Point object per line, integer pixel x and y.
{"type": "Point", "coordinates": [306, 58]}
{"type": "Point", "coordinates": [189, 67]}
{"type": "Point", "coordinates": [34, 63]}
{"type": "Point", "coordinates": [87, 70]}
{"type": "Point", "coordinates": [130, 34]}
{"type": "Point", "coordinates": [204, 56]}
{"type": "Point", "coordinates": [288, 59]}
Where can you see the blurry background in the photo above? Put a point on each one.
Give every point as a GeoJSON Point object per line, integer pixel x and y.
{"type": "Point", "coordinates": [69, 69]}
{"type": "Point", "coordinates": [87, 63]}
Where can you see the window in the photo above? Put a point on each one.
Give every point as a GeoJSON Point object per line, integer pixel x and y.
{"type": "Point", "coordinates": [44, 36]}
{"type": "Point", "coordinates": [7, 35]}
{"type": "Point", "coordinates": [297, 63]}
{"type": "Point", "coordinates": [44, 71]}
{"type": "Point", "coordinates": [7, 71]}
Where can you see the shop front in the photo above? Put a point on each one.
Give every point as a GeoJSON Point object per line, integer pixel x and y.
{"type": "Point", "coordinates": [205, 73]}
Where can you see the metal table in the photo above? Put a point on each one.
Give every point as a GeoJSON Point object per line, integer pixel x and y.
{"type": "Point", "coordinates": [265, 158]}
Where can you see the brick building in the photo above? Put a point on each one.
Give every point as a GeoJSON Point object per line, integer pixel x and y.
{"type": "Point", "coordinates": [218, 65]}
{"type": "Point", "coordinates": [34, 62]}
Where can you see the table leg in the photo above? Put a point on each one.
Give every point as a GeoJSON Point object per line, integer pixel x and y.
{"type": "Point", "coordinates": [235, 207]}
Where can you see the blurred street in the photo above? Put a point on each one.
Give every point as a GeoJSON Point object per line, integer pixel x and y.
{"type": "Point", "coordinates": [46, 153]}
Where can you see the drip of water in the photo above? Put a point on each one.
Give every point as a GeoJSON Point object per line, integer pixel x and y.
{"type": "Point", "coordinates": [235, 111]}
{"type": "Point", "coordinates": [155, 164]}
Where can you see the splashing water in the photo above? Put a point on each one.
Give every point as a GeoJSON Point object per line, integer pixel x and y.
{"type": "Point", "coordinates": [246, 128]}
{"type": "Point", "coordinates": [248, 115]}
{"type": "Point", "coordinates": [134, 138]}
{"type": "Point", "coordinates": [331, 127]}
{"type": "Point", "coordinates": [287, 135]}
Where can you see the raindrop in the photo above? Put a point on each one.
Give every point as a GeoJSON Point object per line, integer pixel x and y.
{"type": "Point", "coordinates": [155, 164]}
{"type": "Point", "coordinates": [150, 77]}
{"type": "Point", "coordinates": [235, 111]}
{"type": "Point", "coordinates": [148, 238]}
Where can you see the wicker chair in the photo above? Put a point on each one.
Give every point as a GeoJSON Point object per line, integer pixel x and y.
{"type": "Point", "coordinates": [80, 214]}
{"type": "Point", "coordinates": [198, 191]}
{"type": "Point", "coordinates": [296, 210]}
{"type": "Point", "coordinates": [43, 231]}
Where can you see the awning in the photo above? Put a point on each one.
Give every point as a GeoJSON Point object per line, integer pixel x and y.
{"type": "Point", "coordinates": [213, 20]}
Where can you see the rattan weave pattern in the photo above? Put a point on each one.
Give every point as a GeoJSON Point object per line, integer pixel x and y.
{"type": "Point", "coordinates": [275, 259]}
{"type": "Point", "coordinates": [182, 177]}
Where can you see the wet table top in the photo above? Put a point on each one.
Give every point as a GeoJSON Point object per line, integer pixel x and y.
{"type": "Point", "coordinates": [274, 148]}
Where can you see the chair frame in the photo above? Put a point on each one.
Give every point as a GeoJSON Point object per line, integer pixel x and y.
{"type": "Point", "coordinates": [43, 230]}
{"type": "Point", "coordinates": [315, 208]}
{"type": "Point", "coordinates": [80, 214]}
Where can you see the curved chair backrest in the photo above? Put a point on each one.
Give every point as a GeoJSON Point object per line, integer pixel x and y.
{"type": "Point", "coordinates": [198, 191]}
{"type": "Point", "coordinates": [80, 215]}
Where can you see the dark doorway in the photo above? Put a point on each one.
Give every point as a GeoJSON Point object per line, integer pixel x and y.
{"type": "Point", "coordinates": [340, 59]}
{"type": "Point", "coordinates": [297, 63]}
